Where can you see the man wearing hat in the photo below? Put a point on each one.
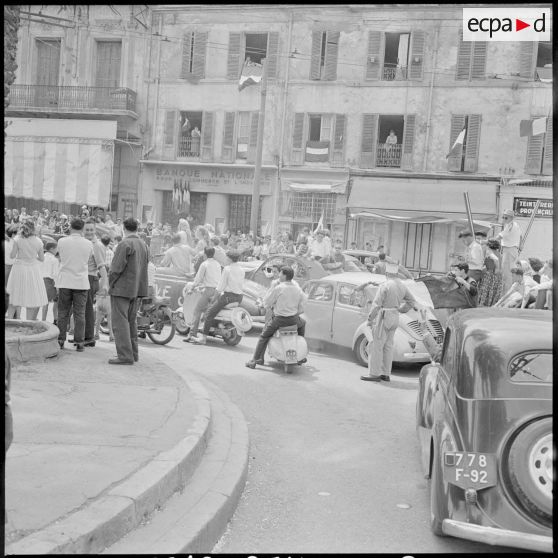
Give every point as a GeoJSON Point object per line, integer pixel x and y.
{"type": "Point", "coordinates": [474, 257]}
{"type": "Point", "coordinates": [383, 320]}
{"type": "Point", "coordinates": [510, 238]}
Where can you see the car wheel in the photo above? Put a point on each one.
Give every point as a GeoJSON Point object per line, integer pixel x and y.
{"type": "Point", "coordinates": [438, 496]}
{"type": "Point", "coordinates": [361, 350]}
{"type": "Point", "coordinates": [530, 465]}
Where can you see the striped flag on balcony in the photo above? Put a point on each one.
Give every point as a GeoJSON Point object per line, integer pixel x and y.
{"type": "Point", "coordinates": [317, 151]}
{"type": "Point", "coordinates": [251, 74]}
{"type": "Point", "coordinates": [532, 127]}
{"type": "Point", "coordinates": [457, 144]}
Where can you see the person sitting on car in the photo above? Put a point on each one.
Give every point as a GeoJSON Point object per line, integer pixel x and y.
{"type": "Point", "coordinates": [335, 260]}
{"type": "Point", "coordinates": [459, 272]}
{"type": "Point", "coordinates": [521, 293]}
{"type": "Point", "coordinates": [318, 247]}
{"type": "Point", "coordinates": [179, 256]}
{"type": "Point", "coordinates": [380, 266]}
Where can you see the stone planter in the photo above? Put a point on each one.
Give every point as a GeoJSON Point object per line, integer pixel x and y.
{"type": "Point", "coordinates": [27, 340]}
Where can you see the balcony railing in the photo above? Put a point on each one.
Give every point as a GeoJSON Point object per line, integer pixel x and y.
{"type": "Point", "coordinates": [388, 155]}
{"type": "Point", "coordinates": [188, 147]}
{"type": "Point", "coordinates": [393, 72]}
{"type": "Point", "coordinates": [72, 97]}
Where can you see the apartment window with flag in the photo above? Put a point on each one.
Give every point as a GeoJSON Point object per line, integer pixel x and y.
{"type": "Point", "coordinates": [387, 141]}
{"type": "Point", "coordinates": [318, 138]}
{"type": "Point", "coordinates": [323, 63]}
{"type": "Point", "coordinates": [194, 48]}
{"type": "Point", "coordinates": [539, 144]}
{"type": "Point", "coordinates": [536, 61]}
{"type": "Point", "coordinates": [471, 59]}
{"type": "Point", "coordinates": [188, 135]}
{"type": "Point", "coordinates": [395, 56]}
{"type": "Point", "coordinates": [463, 151]}
{"type": "Point", "coordinates": [252, 47]}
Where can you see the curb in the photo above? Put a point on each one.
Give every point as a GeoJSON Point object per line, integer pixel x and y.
{"type": "Point", "coordinates": [110, 517]}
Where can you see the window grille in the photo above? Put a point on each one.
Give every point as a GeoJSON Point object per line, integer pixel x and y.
{"type": "Point", "coordinates": [309, 207]}
{"type": "Point", "coordinates": [240, 209]}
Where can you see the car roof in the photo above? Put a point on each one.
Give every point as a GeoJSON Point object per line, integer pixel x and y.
{"type": "Point", "coordinates": [353, 278]}
{"type": "Point", "coordinates": [360, 253]}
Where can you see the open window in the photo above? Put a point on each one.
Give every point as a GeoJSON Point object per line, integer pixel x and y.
{"type": "Point", "coordinates": [323, 63]}
{"type": "Point", "coordinates": [396, 56]}
{"type": "Point", "coordinates": [255, 47]}
{"type": "Point", "coordinates": [189, 135]}
{"type": "Point", "coordinates": [390, 137]}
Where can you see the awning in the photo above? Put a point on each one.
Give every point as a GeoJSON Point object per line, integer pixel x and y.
{"type": "Point", "coordinates": [59, 160]}
{"type": "Point", "coordinates": [418, 217]}
{"type": "Point", "coordinates": [338, 188]}
{"type": "Point", "coordinates": [540, 181]}
{"type": "Point", "coordinates": [314, 180]}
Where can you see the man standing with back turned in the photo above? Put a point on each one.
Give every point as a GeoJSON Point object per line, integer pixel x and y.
{"type": "Point", "coordinates": [128, 283]}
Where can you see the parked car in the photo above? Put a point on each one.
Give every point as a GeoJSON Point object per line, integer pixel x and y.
{"type": "Point", "coordinates": [337, 311]}
{"type": "Point", "coordinates": [484, 422]}
{"type": "Point", "coordinates": [370, 258]}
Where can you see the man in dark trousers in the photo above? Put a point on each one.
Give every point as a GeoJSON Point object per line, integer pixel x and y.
{"type": "Point", "coordinates": [128, 282]}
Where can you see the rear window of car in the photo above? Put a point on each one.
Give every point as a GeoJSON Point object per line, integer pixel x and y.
{"type": "Point", "coordinates": [531, 367]}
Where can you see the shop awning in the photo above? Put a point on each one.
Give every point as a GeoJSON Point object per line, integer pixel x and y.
{"type": "Point", "coordinates": [59, 160]}
{"type": "Point", "coordinates": [418, 217]}
{"type": "Point", "coordinates": [545, 181]}
{"type": "Point", "coordinates": [338, 188]}
{"type": "Point", "coordinates": [314, 180]}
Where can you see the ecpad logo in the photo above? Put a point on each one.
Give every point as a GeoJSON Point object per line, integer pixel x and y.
{"type": "Point", "coordinates": [506, 24]}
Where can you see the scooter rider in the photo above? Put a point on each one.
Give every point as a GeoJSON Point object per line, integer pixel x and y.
{"type": "Point", "coordinates": [287, 301]}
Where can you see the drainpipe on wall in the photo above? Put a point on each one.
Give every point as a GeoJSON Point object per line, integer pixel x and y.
{"type": "Point", "coordinates": [430, 95]}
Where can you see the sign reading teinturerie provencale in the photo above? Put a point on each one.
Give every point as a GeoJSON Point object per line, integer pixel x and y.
{"type": "Point", "coordinates": [523, 207]}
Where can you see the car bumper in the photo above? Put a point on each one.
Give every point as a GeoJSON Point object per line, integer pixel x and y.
{"type": "Point", "coordinates": [491, 535]}
{"type": "Point", "coordinates": [416, 357]}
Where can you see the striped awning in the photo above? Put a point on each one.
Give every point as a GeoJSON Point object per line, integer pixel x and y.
{"type": "Point", "coordinates": [39, 164]}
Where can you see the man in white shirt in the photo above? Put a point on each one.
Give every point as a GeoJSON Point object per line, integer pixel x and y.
{"type": "Point", "coordinates": [510, 238]}
{"type": "Point", "coordinates": [220, 253]}
{"type": "Point", "coordinates": [229, 290]}
{"type": "Point", "coordinates": [179, 256]}
{"type": "Point", "coordinates": [73, 282]}
{"type": "Point", "coordinates": [207, 279]}
{"type": "Point", "coordinates": [473, 255]}
{"type": "Point", "coordinates": [319, 248]}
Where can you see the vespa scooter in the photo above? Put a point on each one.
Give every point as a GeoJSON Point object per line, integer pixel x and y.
{"type": "Point", "coordinates": [287, 347]}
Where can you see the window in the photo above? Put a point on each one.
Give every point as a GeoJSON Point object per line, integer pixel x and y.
{"type": "Point", "coordinates": [535, 60]}
{"type": "Point", "coordinates": [310, 207]}
{"type": "Point", "coordinates": [108, 63]}
{"type": "Point", "coordinates": [194, 49]}
{"type": "Point", "coordinates": [240, 210]}
{"type": "Point", "coordinates": [351, 296]}
{"type": "Point", "coordinates": [322, 292]}
{"type": "Point", "coordinates": [243, 138]}
{"type": "Point", "coordinates": [253, 46]}
{"type": "Point", "coordinates": [188, 134]}
{"type": "Point", "coordinates": [189, 137]}
{"type": "Point", "coordinates": [464, 142]}
{"type": "Point", "coordinates": [471, 59]}
{"type": "Point", "coordinates": [48, 70]}
{"type": "Point", "coordinates": [396, 56]}
{"type": "Point", "coordinates": [323, 64]}
{"type": "Point", "coordinates": [540, 151]}
{"type": "Point", "coordinates": [532, 367]}
{"type": "Point", "coordinates": [418, 243]}
{"type": "Point", "coordinates": [544, 54]}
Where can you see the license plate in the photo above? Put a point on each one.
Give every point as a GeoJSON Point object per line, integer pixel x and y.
{"type": "Point", "coordinates": [470, 470]}
{"type": "Point", "coordinates": [291, 355]}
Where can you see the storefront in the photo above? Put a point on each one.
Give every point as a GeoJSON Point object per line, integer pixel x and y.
{"type": "Point", "coordinates": [220, 195]}
{"type": "Point", "coordinates": [417, 219]}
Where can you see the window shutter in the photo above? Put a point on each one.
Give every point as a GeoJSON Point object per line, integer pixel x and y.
{"type": "Point", "coordinates": [527, 57]}
{"type": "Point", "coordinates": [373, 60]}
{"type": "Point", "coordinates": [472, 139]}
{"type": "Point", "coordinates": [457, 124]}
{"type": "Point", "coordinates": [272, 53]}
{"type": "Point", "coordinates": [253, 143]}
{"type": "Point", "coordinates": [297, 153]}
{"type": "Point", "coordinates": [534, 154]}
{"type": "Point", "coordinates": [478, 66]}
{"type": "Point", "coordinates": [207, 136]}
{"type": "Point", "coordinates": [547, 158]}
{"type": "Point", "coordinates": [417, 55]}
{"type": "Point", "coordinates": [316, 55]}
{"type": "Point", "coordinates": [332, 48]}
{"type": "Point", "coordinates": [200, 48]}
{"type": "Point", "coordinates": [233, 62]}
{"type": "Point", "coordinates": [228, 138]}
{"type": "Point", "coordinates": [408, 142]}
{"type": "Point", "coordinates": [339, 140]}
{"type": "Point", "coordinates": [464, 50]}
{"type": "Point", "coordinates": [186, 46]}
{"type": "Point", "coordinates": [368, 143]}
{"type": "Point", "coordinates": [325, 127]}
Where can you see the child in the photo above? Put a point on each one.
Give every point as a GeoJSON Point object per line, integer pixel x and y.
{"type": "Point", "coordinates": [103, 309]}
{"type": "Point", "coordinates": [50, 267]}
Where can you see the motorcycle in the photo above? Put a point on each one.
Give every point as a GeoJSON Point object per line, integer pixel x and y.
{"type": "Point", "coordinates": [287, 347]}
{"type": "Point", "coordinates": [154, 319]}
{"type": "Point", "coordinates": [231, 323]}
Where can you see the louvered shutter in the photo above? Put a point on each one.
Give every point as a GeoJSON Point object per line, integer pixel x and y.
{"type": "Point", "coordinates": [200, 48]}
{"type": "Point", "coordinates": [472, 140]}
{"type": "Point", "coordinates": [527, 57]}
{"type": "Point", "coordinates": [408, 142]}
{"type": "Point", "coordinates": [316, 55]}
{"type": "Point", "coordinates": [417, 55]}
{"type": "Point", "coordinates": [535, 146]}
{"type": "Point", "coordinates": [464, 50]}
{"type": "Point", "coordinates": [186, 52]}
{"type": "Point", "coordinates": [228, 138]}
{"type": "Point", "coordinates": [374, 58]}
{"type": "Point", "coordinates": [368, 142]}
{"type": "Point", "coordinates": [332, 49]}
{"type": "Point", "coordinates": [325, 127]}
{"type": "Point", "coordinates": [170, 133]}
{"type": "Point", "coordinates": [338, 156]}
{"type": "Point", "coordinates": [478, 64]}
{"type": "Point", "coordinates": [233, 62]}
{"type": "Point", "coordinates": [457, 124]}
{"type": "Point", "coordinates": [272, 53]}
{"type": "Point", "coordinates": [297, 153]}
{"type": "Point", "coordinates": [207, 136]}
{"type": "Point", "coordinates": [253, 143]}
{"type": "Point", "coordinates": [547, 158]}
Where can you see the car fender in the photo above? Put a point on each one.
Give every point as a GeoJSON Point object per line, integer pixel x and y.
{"type": "Point", "coordinates": [363, 328]}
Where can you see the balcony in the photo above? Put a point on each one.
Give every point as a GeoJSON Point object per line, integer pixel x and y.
{"type": "Point", "coordinates": [68, 99]}
{"type": "Point", "coordinates": [388, 155]}
{"type": "Point", "coordinates": [393, 72]}
{"type": "Point", "coordinates": [188, 148]}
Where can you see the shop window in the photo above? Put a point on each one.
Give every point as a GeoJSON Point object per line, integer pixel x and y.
{"type": "Point", "coordinates": [240, 211]}
{"type": "Point", "coordinates": [418, 244]}
{"type": "Point", "coordinates": [310, 208]}
{"type": "Point", "coordinates": [189, 137]}
{"type": "Point", "coordinates": [198, 205]}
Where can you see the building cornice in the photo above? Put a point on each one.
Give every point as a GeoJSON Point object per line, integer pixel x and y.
{"type": "Point", "coordinates": [431, 175]}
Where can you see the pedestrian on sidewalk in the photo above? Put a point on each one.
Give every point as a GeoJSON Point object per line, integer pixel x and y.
{"type": "Point", "coordinates": [50, 269]}
{"type": "Point", "coordinates": [73, 282]}
{"type": "Point", "coordinates": [383, 320]}
{"type": "Point", "coordinates": [510, 238]}
{"type": "Point", "coordinates": [128, 283]}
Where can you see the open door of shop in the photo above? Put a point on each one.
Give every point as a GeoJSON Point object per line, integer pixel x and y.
{"type": "Point", "coordinates": [418, 241]}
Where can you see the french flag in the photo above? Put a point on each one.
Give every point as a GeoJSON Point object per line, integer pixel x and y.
{"type": "Point", "coordinates": [251, 74]}
{"type": "Point", "coordinates": [458, 144]}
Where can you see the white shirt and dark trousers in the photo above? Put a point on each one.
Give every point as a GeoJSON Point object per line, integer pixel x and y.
{"type": "Point", "coordinates": [207, 277]}
{"type": "Point", "coordinates": [510, 237]}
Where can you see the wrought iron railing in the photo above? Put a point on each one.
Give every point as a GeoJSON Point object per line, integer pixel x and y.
{"type": "Point", "coordinates": [188, 147]}
{"type": "Point", "coordinates": [72, 97]}
{"type": "Point", "coordinates": [394, 72]}
{"type": "Point", "coordinates": [388, 155]}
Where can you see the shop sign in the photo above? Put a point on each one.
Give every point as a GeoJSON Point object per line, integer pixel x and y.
{"type": "Point", "coordinates": [523, 207]}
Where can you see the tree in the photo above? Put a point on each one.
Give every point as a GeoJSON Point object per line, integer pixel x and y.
{"type": "Point", "coordinates": [11, 26]}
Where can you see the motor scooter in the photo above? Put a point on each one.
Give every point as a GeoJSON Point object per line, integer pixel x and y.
{"type": "Point", "coordinates": [287, 347]}
{"type": "Point", "coordinates": [231, 323]}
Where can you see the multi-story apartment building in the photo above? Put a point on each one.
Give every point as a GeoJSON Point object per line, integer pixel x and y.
{"type": "Point", "coordinates": [342, 80]}
{"type": "Point", "coordinates": [75, 133]}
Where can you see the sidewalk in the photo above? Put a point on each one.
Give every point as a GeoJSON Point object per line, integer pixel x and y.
{"type": "Point", "coordinates": [86, 433]}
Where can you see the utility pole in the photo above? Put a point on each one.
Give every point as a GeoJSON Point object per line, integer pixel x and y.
{"type": "Point", "coordinates": [254, 215]}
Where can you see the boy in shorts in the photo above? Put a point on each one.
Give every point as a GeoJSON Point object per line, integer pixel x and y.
{"type": "Point", "coordinates": [50, 267]}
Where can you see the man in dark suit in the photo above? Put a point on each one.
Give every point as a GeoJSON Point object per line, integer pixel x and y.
{"type": "Point", "coordinates": [128, 282]}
